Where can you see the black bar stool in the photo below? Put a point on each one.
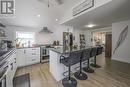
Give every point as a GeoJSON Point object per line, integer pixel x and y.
{"type": "Point", "coordinates": [98, 52]}
{"type": "Point", "coordinates": [80, 75]}
{"type": "Point", "coordinates": [74, 57]}
{"type": "Point", "coordinates": [87, 55]}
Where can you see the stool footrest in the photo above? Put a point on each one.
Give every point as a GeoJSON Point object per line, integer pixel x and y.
{"type": "Point", "coordinates": [95, 65]}
{"type": "Point", "coordinates": [80, 76]}
{"type": "Point", "coordinates": [88, 69]}
{"type": "Point", "coordinates": [69, 82]}
{"type": "Point", "coordinates": [67, 72]}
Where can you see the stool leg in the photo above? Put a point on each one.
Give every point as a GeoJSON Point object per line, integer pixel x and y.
{"type": "Point", "coordinates": [69, 81]}
{"type": "Point", "coordinates": [88, 68]}
{"type": "Point", "coordinates": [80, 75]}
{"type": "Point", "coordinates": [95, 63]}
{"type": "Point", "coordinates": [69, 73]}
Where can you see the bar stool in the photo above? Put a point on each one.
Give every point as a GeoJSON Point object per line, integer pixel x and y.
{"type": "Point", "coordinates": [87, 55]}
{"type": "Point", "coordinates": [80, 75]}
{"type": "Point", "coordinates": [98, 52]}
{"type": "Point", "coordinates": [74, 57]}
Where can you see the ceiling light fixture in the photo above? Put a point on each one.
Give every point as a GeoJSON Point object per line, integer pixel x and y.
{"type": "Point", "coordinates": [56, 19]}
{"type": "Point", "coordinates": [39, 16]}
{"type": "Point", "coordinates": [90, 25]}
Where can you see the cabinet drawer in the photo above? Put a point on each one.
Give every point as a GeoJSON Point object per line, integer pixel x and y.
{"type": "Point", "coordinates": [32, 55]}
{"type": "Point", "coordinates": [33, 52]}
{"type": "Point", "coordinates": [33, 49]}
{"type": "Point", "coordinates": [32, 60]}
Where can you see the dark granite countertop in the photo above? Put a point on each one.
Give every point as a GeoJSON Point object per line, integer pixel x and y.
{"type": "Point", "coordinates": [27, 47]}
{"type": "Point", "coordinates": [51, 46]}
{"type": "Point", "coordinates": [62, 50]}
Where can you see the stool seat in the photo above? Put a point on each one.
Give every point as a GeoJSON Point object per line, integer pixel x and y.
{"type": "Point", "coordinates": [67, 62]}
{"type": "Point", "coordinates": [79, 74]}
{"type": "Point", "coordinates": [74, 57]}
{"type": "Point", "coordinates": [98, 52]}
{"type": "Point", "coordinates": [87, 55]}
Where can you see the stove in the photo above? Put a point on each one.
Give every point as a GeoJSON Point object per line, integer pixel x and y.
{"type": "Point", "coordinates": [45, 53]}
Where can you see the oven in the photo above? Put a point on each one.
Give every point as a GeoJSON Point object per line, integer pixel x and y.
{"type": "Point", "coordinates": [44, 54]}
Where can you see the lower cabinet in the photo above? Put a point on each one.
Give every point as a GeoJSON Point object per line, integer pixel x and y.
{"type": "Point", "coordinates": [12, 67]}
{"type": "Point", "coordinates": [28, 56]}
{"type": "Point", "coordinates": [9, 78]}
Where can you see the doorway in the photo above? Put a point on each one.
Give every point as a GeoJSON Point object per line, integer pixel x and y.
{"type": "Point", "coordinates": [103, 39]}
{"type": "Point", "coordinates": [108, 45]}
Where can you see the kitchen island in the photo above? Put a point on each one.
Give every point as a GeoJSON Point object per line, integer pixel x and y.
{"type": "Point", "coordinates": [56, 68]}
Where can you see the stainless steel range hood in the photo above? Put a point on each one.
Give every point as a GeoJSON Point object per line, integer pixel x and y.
{"type": "Point", "coordinates": [45, 30]}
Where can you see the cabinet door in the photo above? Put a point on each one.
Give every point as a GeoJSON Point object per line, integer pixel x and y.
{"type": "Point", "coordinates": [14, 63]}
{"type": "Point", "coordinates": [32, 56]}
{"type": "Point", "coordinates": [9, 79]}
{"type": "Point", "coordinates": [21, 57]}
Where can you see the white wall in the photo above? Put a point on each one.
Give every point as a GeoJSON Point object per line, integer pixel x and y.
{"type": "Point", "coordinates": [41, 38]}
{"type": "Point", "coordinates": [106, 29]}
{"type": "Point", "coordinates": [123, 52]}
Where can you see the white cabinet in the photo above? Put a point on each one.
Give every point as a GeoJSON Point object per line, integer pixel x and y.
{"type": "Point", "coordinates": [9, 79]}
{"type": "Point", "coordinates": [28, 56]}
{"type": "Point", "coordinates": [21, 57]}
{"type": "Point", "coordinates": [12, 69]}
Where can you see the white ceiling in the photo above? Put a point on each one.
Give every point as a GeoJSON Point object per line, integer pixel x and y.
{"type": "Point", "coordinates": [26, 12]}
{"type": "Point", "coordinates": [104, 16]}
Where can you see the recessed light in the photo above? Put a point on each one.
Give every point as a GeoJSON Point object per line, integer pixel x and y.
{"type": "Point", "coordinates": [90, 25]}
{"type": "Point", "coordinates": [39, 16]}
{"type": "Point", "coordinates": [56, 19]}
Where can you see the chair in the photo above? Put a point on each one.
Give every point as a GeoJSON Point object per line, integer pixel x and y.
{"type": "Point", "coordinates": [74, 57]}
{"type": "Point", "coordinates": [98, 52]}
{"type": "Point", "coordinates": [87, 55]}
{"type": "Point", "coordinates": [79, 74]}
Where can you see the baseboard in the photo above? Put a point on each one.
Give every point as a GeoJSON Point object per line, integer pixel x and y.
{"type": "Point", "coordinates": [121, 60]}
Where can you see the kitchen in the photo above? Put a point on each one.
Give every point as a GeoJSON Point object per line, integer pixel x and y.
{"type": "Point", "coordinates": [40, 35]}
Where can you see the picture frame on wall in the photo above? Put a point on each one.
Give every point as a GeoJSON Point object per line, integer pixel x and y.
{"type": "Point", "coordinates": [87, 4]}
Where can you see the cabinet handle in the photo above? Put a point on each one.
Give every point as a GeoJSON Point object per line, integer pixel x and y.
{"type": "Point", "coordinates": [6, 67]}
{"type": "Point", "coordinates": [15, 60]}
{"type": "Point", "coordinates": [11, 66]}
{"type": "Point", "coordinates": [33, 59]}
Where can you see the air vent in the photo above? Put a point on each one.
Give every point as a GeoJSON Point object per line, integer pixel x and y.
{"type": "Point", "coordinates": [87, 4]}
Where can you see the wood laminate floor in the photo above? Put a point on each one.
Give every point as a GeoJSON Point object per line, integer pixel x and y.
{"type": "Point", "coordinates": [111, 74]}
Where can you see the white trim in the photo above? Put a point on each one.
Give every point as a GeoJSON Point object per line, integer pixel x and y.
{"type": "Point", "coordinates": [121, 60]}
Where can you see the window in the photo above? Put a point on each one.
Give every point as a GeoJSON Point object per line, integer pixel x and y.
{"type": "Point", "coordinates": [25, 39]}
